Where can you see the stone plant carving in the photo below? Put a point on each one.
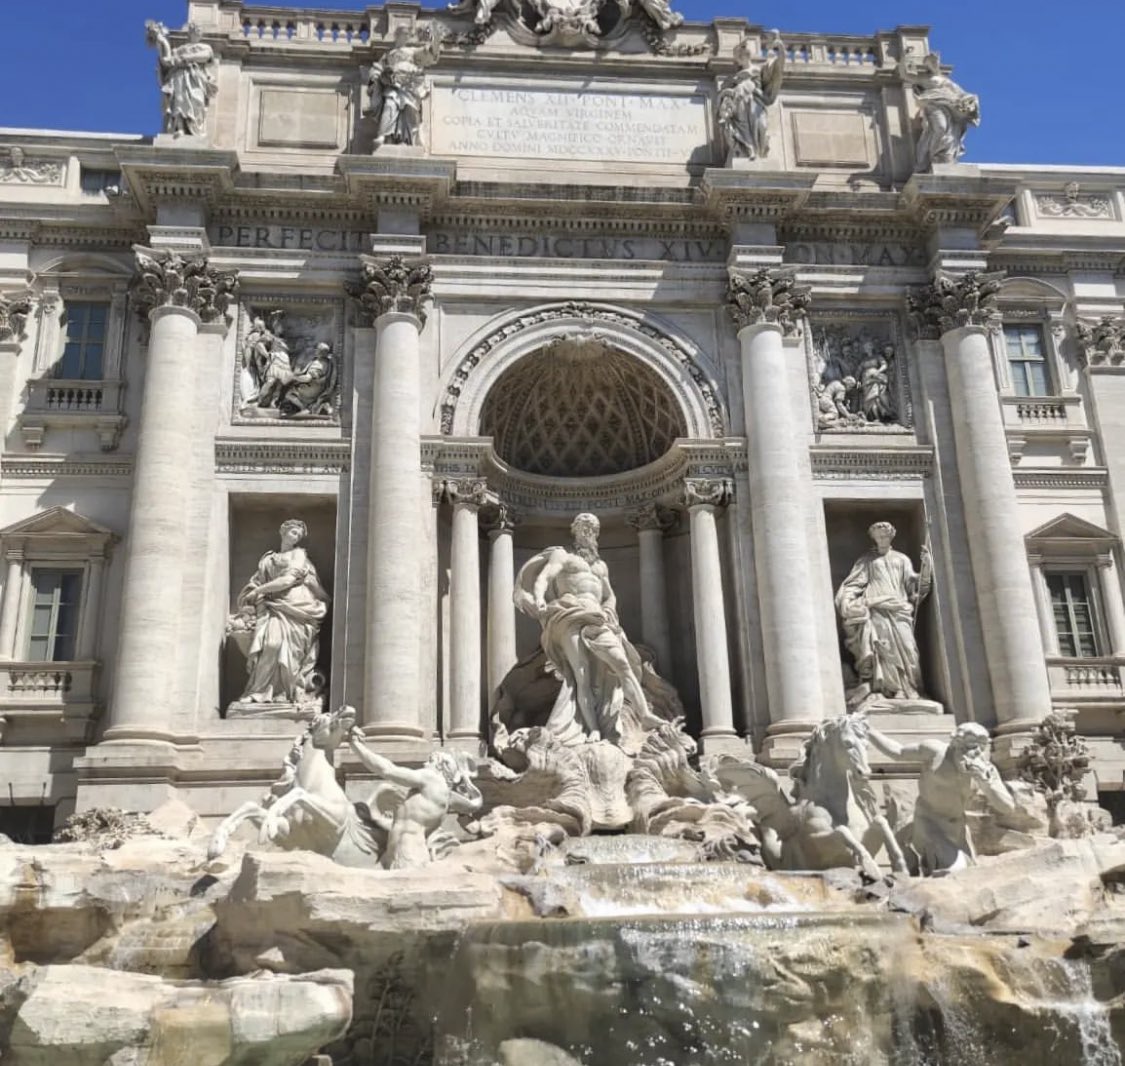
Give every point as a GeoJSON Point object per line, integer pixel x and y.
{"type": "Point", "coordinates": [1056, 760]}
{"type": "Point", "coordinates": [855, 380]}
{"type": "Point", "coordinates": [833, 818]}
{"type": "Point", "coordinates": [13, 316]}
{"type": "Point", "coordinates": [1102, 343]}
{"type": "Point", "coordinates": [187, 79]}
{"type": "Point", "coordinates": [1072, 204]}
{"type": "Point", "coordinates": [744, 101]}
{"type": "Point", "coordinates": [950, 774]}
{"type": "Point", "coordinates": [947, 111]}
{"type": "Point", "coordinates": [397, 85]}
{"type": "Point", "coordinates": [168, 279]}
{"type": "Point", "coordinates": [277, 625]}
{"type": "Point", "coordinates": [307, 808]}
{"type": "Point", "coordinates": [568, 592]}
{"type": "Point", "coordinates": [770, 295]}
{"type": "Point", "coordinates": [273, 382]}
{"type": "Point", "coordinates": [105, 828]}
{"type": "Point", "coordinates": [953, 301]}
{"type": "Point", "coordinates": [878, 606]}
{"type": "Point", "coordinates": [394, 284]}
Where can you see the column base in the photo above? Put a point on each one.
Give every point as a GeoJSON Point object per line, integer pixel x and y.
{"type": "Point", "coordinates": [1011, 741]}
{"type": "Point", "coordinates": [135, 773]}
{"type": "Point", "coordinates": [407, 732]}
{"type": "Point", "coordinates": [724, 742]}
{"type": "Point", "coordinates": [784, 743]}
{"type": "Point", "coordinates": [469, 743]}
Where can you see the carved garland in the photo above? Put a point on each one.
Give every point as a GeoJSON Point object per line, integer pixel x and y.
{"type": "Point", "coordinates": [590, 313]}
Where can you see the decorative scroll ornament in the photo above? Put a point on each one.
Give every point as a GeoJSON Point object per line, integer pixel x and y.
{"type": "Point", "coordinates": [708, 492]}
{"type": "Point", "coordinates": [953, 301]}
{"type": "Point", "coordinates": [393, 284]}
{"type": "Point", "coordinates": [473, 492]}
{"type": "Point", "coordinates": [651, 516]}
{"type": "Point", "coordinates": [13, 316]}
{"type": "Point", "coordinates": [1072, 204]}
{"type": "Point", "coordinates": [771, 295]}
{"type": "Point", "coordinates": [167, 279]}
{"type": "Point", "coordinates": [19, 170]}
{"type": "Point", "coordinates": [1102, 343]}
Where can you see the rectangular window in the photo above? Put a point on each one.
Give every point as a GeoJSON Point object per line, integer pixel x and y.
{"type": "Point", "coordinates": [1027, 360]}
{"type": "Point", "coordinates": [99, 181]}
{"type": "Point", "coordinates": [1072, 608]}
{"type": "Point", "coordinates": [54, 615]}
{"type": "Point", "coordinates": [84, 343]}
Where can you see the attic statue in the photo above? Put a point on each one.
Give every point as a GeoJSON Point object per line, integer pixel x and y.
{"type": "Point", "coordinates": [187, 79]}
{"type": "Point", "coordinates": [947, 111]}
{"type": "Point", "coordinates": [746, 98]}
{"type": "Point", "coordinates": [397, 85]}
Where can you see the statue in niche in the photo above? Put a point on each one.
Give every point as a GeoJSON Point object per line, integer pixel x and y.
{"type": "Point", "coordinates": [947, 111]}
{"type": "Point", "coordinates": [745, 99]}
{"type": "Point", "coordinates": [274, 384]}
{"type": "Point", "coordinates": [854, 380]}
{"type": "Point", "coordinates": [411, 805]}
{"type": "Point", "coordinates": [950, 775]}
{"type": "Point", "coordinates": [878, 605]}
{"type": "Point", "coordinates": [603, 692]}
{"type": "Point", "coordinates": [187, 79]}
{"type": "Point", "coordinates": [397, 85]}
{"type": "Point", "coordinates": [277, 625]}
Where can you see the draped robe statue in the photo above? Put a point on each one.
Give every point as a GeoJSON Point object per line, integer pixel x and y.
{"type": "Point", "coordinates": [745, 99]}
{"type": "Point", "coordinates": [877, 603]}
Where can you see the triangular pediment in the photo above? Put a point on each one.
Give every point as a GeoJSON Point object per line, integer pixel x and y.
{"type": "Point", "coordinates": [58, 521]}
{"type": "Point", "coordinates": [1071, 527]}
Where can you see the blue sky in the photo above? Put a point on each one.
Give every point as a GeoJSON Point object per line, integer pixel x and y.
{"type": "Point", "coordinates": [1048, 75]}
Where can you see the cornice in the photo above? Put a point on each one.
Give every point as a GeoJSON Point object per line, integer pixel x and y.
{"type": "Point", "coordinates": [48, 467]}
{"type": "Point", "coordinates": [166, 173]}
{"type": "Point", "coordinates": [1089, 477]}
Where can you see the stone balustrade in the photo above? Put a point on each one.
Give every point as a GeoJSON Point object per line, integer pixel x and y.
{"type": "Point", "coordinates": [36, 698]}
{"type": "Point", "coordinates": [72, 404]}
{"type": "Point", "coordinates": [1085, 679]}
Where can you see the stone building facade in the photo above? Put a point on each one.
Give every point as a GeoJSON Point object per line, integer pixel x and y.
{"type": "Point", "coordinates": [433, 282]}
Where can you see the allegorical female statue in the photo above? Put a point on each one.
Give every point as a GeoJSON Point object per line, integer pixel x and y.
{"type": "Point", "coordinates": [745, 99]}
{"type": "Point", "coordinates": [947, 111]}
{"type": "Point", "coordinates": [187, 79]}
{"type": "Point", "coordinates": [277, 623]}
{"type": "Point", "coordinates": [568, 592]}
{"type": "Point", "coordinates": [877, 603]}
{"type": "Point", "coordinates": [398, 84]}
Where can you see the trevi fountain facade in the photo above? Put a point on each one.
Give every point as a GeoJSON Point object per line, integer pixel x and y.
{"type": "Point", "coordinates": [546, 534]}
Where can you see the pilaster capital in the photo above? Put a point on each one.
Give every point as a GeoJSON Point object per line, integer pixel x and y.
{"type": "Point", "coordinates": [14, 309]}
{"type": "Point", "coordinates": [168, 279]}
{"type": "Point", "coordinates": [952, 301]}
{"type": "Point", "coordinates": [1101, 343]}
{"type": "Point", "coordinates": [651, 516]}
{"type": "Point", "coordinates": [393, 284]}
{"type": "Point", "coordinates": [499, 517]}
{"type": "Point", "coordinates": [771, 295]}
{"type": "Point", "coordinates": [468, 492]}
{"type": "Point", "coordinates": [707, 492]}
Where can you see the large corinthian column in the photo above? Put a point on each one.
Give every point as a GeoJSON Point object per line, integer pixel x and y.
{"type": "Point", "coordinates": [767, 306]}
{"type": "Point", "coordinates": [394, 292]}
{"type": "Point", "coordinates": [959, 309]}
{"type": "Point", "coordinates": [179, 294]}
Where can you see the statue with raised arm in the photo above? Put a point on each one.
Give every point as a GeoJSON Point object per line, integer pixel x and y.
{"type": "Point", "coordinates": [410, 805]}
{"type": "Point", "coordinates": [877, 603]}
{"type": "Point", "coordinates": [745, 99]}
{"type": "Point", "coordinates": [950, 774]}
{"type": "Point", "coordinates": [187, 79]}
{"type": "Point", "coordinates": [568, 592]}
{"type": "Point", "coordinates": [947, 111]}
{"type": "Point", "coordinates": [397, 85]}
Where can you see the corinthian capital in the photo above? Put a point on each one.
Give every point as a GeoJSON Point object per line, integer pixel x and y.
{"type": "Point", "coordinates": [651, 516]}
{"type": "Point", "coordinates": [952, 301]}
{"type": "Point", "coordinates": [470, 490]}
{"type": "Point", "coordinates": [770, 295]}
{"type": "Point", "coordinates": [13, 315]}
{"type": "Point", "coordinates": [1102, 343]}
{"type": "Point", "coordinates": [167, 279]}
{"type": "Point", "coordinates": [393, 284]}
{"type": "Point", "coordinates": [709, 492]}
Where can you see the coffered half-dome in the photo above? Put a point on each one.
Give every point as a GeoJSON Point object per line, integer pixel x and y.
{"type": "Point", "coordinates": [580, 408]}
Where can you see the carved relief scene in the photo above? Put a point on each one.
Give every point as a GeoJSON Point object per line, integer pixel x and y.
{"type": "Point", "coordinates": [859, 384]}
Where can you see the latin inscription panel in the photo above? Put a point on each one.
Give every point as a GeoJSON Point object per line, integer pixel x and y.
{"type": "Point", "coordinates": [622, 126]}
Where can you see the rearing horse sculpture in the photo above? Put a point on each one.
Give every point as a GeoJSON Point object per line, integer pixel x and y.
{"type": "Point", "coordinates": [306, 808]}
{"type": "Point", "coordinates": [833, 818]}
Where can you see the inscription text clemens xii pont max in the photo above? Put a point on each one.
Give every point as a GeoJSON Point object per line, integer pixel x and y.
{"type": "Point", "coordinates": [581, 124]}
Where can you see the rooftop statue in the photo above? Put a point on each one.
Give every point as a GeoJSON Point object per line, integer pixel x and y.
{"type": "Point", "coordinates": [397, 85]}
{"type": "Point", "coordinates": [878, 604]}
{"type": "Point", "coordinates": [745, 99]}
{"type": "Point", "coordinates": [950, 774]}
{"type": "Point", "coordinates": [277, 624]}
{"type": "Point", "coordinates": [947, 111]}
{"type": "Point", "coordinates": [568, 592]}
{"type": "Point", "coordinates": [187, 79]}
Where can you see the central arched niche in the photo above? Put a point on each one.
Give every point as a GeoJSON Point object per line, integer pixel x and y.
{"type": "Point", "coordinates": [579, 407]}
